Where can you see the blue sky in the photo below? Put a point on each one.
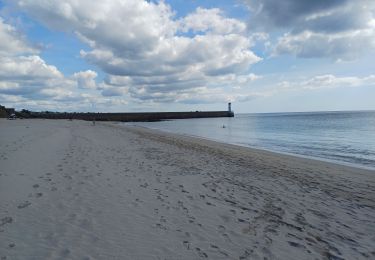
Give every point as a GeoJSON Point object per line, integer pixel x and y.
{"type": "Point", "coordinates": [134, 55]}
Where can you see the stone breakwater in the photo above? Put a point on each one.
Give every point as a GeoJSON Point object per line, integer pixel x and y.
{"type": "Point", "coordinates": [130, 117]}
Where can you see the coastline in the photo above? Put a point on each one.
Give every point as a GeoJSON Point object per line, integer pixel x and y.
{"type": "Point", "coordinates": [242, 149]}
{"type": "Point", "coordinates": [69, 189]}
{"type": "Point", "coordinates": [257, 149]}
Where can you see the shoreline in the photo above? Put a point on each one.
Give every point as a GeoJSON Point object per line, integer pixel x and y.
{"type": "Point", "coordinates": [73, 190]}
{"type": "Point", "coordinates": [249, 150]}
{"type": "Point", "coordinates": [319, 159]}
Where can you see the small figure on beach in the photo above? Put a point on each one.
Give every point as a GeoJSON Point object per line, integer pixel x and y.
{"type": "Point", "coordinates": [223, 126]}
{"type": "Point", "coordinates": [93, 122]}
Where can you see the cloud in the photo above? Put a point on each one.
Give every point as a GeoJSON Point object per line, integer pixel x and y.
{"type": "Point", "coordinates": [176, 88]}
{"type": "Point", "coordinates": [12, 42]}
{"type": "Point", "coordinates": [86, 79]}
{"type": "Point", "coordinates": [27, 68]}
{"type": "Point", "coordinates": [144, 50]}
{"type": "Point", "coordinates": [327, 81]}
{"type": "Point", "coordinates": [25, 78]}
{"type": "Point", "coordinates": [211, 20]}
{"type": "Point", "coordinates": [272, 14]}
{"type": "Point", "coordinates": [200, 95]}
{"type": "Point", "coordinates": [337, 29]}
{"type": "Point", "coordinates": [31, 77]}
{"type": "Point", "coordinates": [21, 71]}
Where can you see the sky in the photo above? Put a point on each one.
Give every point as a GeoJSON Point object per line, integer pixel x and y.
{"type": "Point", "coordinates": [187, 55]}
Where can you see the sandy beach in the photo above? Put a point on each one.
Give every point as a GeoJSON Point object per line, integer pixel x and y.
{"type": "Point", "coordinates": [72, 190]}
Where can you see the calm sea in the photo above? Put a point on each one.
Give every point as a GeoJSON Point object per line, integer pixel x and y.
{"type": "Point", "coordinates": [343, 137]}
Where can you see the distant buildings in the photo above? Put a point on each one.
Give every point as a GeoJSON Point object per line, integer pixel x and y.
{"type": "Point", "coordinates": [6, 112]}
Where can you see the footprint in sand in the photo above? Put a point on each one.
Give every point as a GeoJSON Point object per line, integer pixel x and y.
{"type": "Point", "coordinates": [191, 219]}
{"type": "Point", "coordinates": [35, 186]}
{"type": "Point", "coordinates": [246, 254]}
{"type": "Point", "coordinates": [6, 220]}
{"type": "Point", "coordinates": [186, 244]}
{"type": "Point", "coordinates": [295, 244]}
{"type": "Point", "coordinates": [24, 204]}
{"type": "Point", "coordinates": [221, 228]}
{"type": "Point", "coordinates": [215, 247]}
{"type": "Point", "coordinates": [161, 226]}
{"type": "Point", "coordinates": [201, 253]}
{"type": "Point", "coordinates": [144, 185]}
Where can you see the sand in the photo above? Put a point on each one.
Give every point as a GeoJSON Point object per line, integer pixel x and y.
{"type": "Point", "coordinates": [72, 190]}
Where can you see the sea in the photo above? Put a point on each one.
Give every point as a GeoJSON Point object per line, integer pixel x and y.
{"type": "Point", "coordinates": [342, 137]}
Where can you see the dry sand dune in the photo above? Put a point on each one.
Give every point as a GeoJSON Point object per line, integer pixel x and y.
{"type": "Point", "coordinates": [71, 190]}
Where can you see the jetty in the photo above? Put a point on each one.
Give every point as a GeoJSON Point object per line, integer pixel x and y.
{"type": "Point", "coordinates": [126, 117]}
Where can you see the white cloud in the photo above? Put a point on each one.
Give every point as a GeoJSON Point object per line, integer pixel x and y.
{"type": "Point", "coordinates": [26, 79]}
{"type": "Point", "coordinates": [340, 46]}
{"type": "Point", "coordinates": [21, 71]}
{"type": "Point", "coordinates": [12, 42]}
{"type": "Point", "coordinates": [327, 81]}
{"type": "Point", "coordinates": [27, 68]}
{"type": "Point", "coordinates": [31, 76]}
{"type": "Point", "coordinates": [211, 20]}
{"type": "Point", "coordinates": [337, 29]}
{"type": "Point", "coordinates": [86, 79]}
{"type": "Point", "coordinates": [141, 44]}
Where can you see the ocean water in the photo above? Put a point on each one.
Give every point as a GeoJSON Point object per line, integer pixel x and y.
{"type": "Point", "coordinates": [341, 137]}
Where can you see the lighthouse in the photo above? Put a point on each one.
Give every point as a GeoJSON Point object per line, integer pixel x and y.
{"type": "Point", "coordinates": [229, 107]}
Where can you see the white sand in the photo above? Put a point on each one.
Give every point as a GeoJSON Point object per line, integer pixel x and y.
{"type": "Point", "coordinates": [71, 190]}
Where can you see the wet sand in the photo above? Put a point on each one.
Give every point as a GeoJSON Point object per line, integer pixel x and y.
{"type": "Point", "coordinates": [71, 190]}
